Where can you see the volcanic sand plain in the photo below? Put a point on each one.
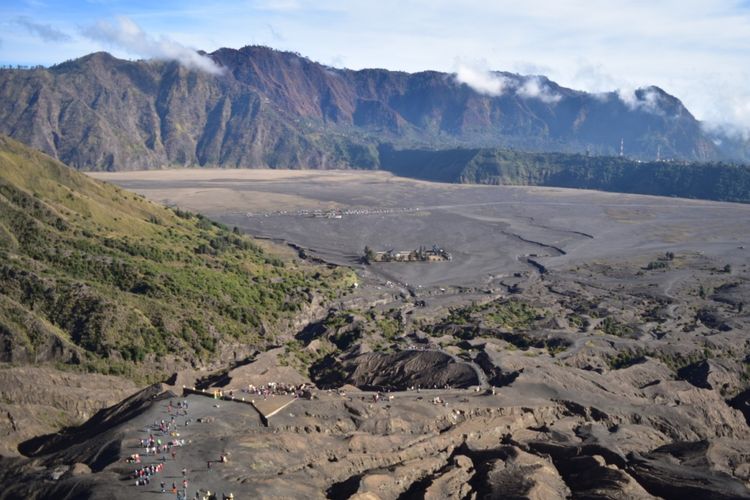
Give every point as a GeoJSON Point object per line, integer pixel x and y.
{"type": "Point", "coordinates": [627, 373]}
{"type": "Point", "coordinates": [490, 231]}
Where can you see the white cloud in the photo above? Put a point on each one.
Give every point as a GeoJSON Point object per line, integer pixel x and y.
{"type": "Point", "coordinates": [480, 79]}
{"type": "Point", "coordinates": [46, 32]}
{"type": "Point", "coordinates": [740, 114]}
{"type": "Point", "coordinates": [645, 99]}
{"type": "Point", "coordinates": [734, 123]}
{"type": "Point", "coordinates": [534, 88]}
{"type": "Point", "coordinates": [722, 100]}
{"type": "Point", "coordinates": [127, 35]}
{"type": "Point", "coordinates": [338, 61]}
{"type": "Point", "coordinates": [594, 78]}
{"type": "Point", "coordinates": [719, 131]}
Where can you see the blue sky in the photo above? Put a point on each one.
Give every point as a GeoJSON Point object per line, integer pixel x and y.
{"type": "Point", "coordinates": [697, 50]}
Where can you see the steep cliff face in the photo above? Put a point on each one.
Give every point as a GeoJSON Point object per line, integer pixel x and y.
{"type": "Point", "coordinates": [279, 109]}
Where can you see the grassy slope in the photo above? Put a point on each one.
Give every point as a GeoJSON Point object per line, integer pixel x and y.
{"type": "Point", "coordinates": [123, 282]}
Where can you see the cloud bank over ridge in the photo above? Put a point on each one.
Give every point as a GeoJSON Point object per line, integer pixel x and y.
{"type": "Point", "coordinates": [480, 79]}
{"type": "Point", "coordinates": [125, 34]}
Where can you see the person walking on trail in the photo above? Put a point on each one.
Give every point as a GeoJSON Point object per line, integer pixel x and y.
{"type": "Point", "coordinates": [163, 490]}
{"type": "Point", "coordinates": [184, 472]}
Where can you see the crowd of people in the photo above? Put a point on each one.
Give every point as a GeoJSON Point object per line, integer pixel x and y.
{"type": "Point", "coordinates": [159, 442]}
{"type": "Point", "coordinates": [164, 440]}
{"type": "Point", "coordinates": [278, 389]}
{"type": "Point", "coordinates": [142, 475]}
{"type": "Point", "coordinates": [379, 396]}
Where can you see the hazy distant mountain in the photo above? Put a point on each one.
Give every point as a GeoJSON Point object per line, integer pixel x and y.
{"type": "Point", "coordinates": [280, 109]}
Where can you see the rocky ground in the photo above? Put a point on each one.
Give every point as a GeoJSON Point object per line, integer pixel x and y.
{"type": "Point", "coordinates": [597, 370]}
{"type": "Point", "coordinates": [41, 400]}
{"type": "Point", "coordinates": [609, 380]}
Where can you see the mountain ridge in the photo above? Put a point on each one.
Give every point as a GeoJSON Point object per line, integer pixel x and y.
{"type": "Point", "coordinates": [279, 109]}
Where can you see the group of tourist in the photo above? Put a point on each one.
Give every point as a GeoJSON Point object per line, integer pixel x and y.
{"type": "Point", "coordinates": [163, 438]}
{"type": "Point", "coordinates": [143, 475]}
{"type": "Point", "coordinates": [180, 408]}
{"type": "Point", "coordinates": [154, 445]}
{"type": "Point", "coordinates": [277, 389]}
{"type": "Point", "coordinates": [379, 396]}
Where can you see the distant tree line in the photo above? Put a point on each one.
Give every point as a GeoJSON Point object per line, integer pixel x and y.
{"type": "Point", "coordinates": [21, 66]}
{"type": "Point", "coordinates": [719, 181]}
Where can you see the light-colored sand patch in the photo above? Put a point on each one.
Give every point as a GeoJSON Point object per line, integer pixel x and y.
{"type": "Point", "coordinates": [271, 406]}
{"type": "Point", "coordinates": [275, 175]}
{"type": "Point", "coordinates": [628, 216]}
{"type": "Point", "coordinates": [677, 233]}
{"type": "Point", "coordinates": [382, 179]}
{"type": "Point", "coordinates": [211, 200]}
{"type": "Point", "coordinates": [260, 174]}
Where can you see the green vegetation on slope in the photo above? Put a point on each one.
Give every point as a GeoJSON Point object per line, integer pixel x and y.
{"type": "Point", "coordinates": [507, 314]}
{"type": "Point", "coordinates": [99, 277]}
{"type": "Point", "coordinates": [710, 181]}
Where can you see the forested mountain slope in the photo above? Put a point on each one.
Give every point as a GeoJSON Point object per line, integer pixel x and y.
{"type": "Point", "coordinates": [279, 109]}
{"type": "Point", "coordinates": [95, 276]}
